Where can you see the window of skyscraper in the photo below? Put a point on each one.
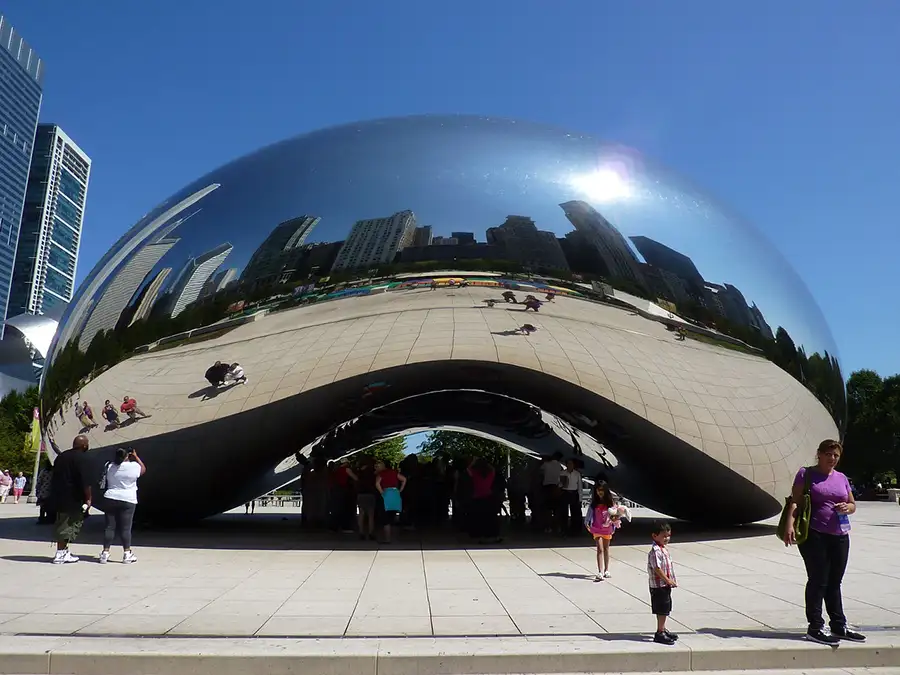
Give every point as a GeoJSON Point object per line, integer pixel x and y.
{"type": "Point", "coordinates": [63, 235]}
{"type": "Point", "coordinates": [57, 283]}
{"type": "Point", "coordinates": [69, 186]}
{"type": "Point", "coordinates": [67, 211]}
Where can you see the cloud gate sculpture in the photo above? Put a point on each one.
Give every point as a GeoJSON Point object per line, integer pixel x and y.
{"type": "Point", "coordinates": [515, 281]}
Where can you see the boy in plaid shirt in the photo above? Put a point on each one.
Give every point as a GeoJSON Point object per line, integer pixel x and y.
{"type": "Point", "coordinates": [662, 581]}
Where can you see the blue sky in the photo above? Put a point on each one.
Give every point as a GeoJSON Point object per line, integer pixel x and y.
{"type": "Point", "coordinates": [787, 114]}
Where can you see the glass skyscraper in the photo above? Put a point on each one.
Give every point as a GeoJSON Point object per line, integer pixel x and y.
{"type": "Point", "coordinates": [50, 236]}
{"type": "Point", "coordinates": [21, 81]}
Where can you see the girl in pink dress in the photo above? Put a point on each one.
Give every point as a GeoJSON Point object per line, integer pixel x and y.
{"type": "Point", "coordinates": [601, 524]}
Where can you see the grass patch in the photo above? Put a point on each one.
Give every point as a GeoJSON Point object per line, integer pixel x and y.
{"type": "Point", "coordinates": [722, 343]}
{"type": "Point", "coordinates": [194, 339]}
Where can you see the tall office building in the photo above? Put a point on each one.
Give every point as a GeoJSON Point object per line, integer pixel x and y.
{"type": "Point", "coordinates": [147, 231]}
{"type": "Point", "coordinates": [280, 250]}
{"type": "Point", "coordinates": [150, 295]}
{"type": "Point", "coordinates": [618, 258]}
{"type": "Point", "coordinates": [122, 287]}
{"type": "Point", "coordinates": [194, 275]}
{"type": "Point", "coordinates": [218, 281]}
{"type": "Point", "coordinates": [21, 82]}
{"type": "Point", "coordinates": [376, 241]}
{"type": "Point", "coordinates": [661, 256]}
{"type": "Point", "coordinates": [464, 238]}
{"type": "Point", "coordinates": [520, 240]}
{"type": "Point", "coordinates": [50, 236]}
{"type": "Point", "coordinates": [423, 236]}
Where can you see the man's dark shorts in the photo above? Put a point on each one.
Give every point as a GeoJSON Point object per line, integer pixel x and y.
{"type": "Point", "coordinates": [661, 601]}
{"type": "Point", "coordinates": [68, 525]}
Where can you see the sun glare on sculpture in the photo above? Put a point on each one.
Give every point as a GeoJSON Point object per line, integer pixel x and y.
{"type": "Point", "coordinates": [603, 185]}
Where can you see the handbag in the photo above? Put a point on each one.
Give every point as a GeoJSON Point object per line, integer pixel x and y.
{"type": "Point", "coordinates": [801, 517]}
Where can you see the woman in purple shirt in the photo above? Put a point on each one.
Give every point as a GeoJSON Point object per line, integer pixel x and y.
{"type": "Point", "coordinates": [827, 547]}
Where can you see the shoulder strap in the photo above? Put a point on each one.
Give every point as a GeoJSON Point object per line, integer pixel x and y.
{"type": "Point", "coordinates": [807, 479]}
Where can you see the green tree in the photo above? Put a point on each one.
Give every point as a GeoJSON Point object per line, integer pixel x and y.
{"type": "Point", "coordinates": [392, 450]}
{"type": "Point", "coordinates": [15, 423]}
{"type": "Point", "coordinates": [458, 445]}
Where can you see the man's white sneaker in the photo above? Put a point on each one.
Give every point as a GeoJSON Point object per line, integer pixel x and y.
{"type": "Point", "coordinates": [606, 574]}
{"type": "Point", "coordinates": [63, 557]}
{"type": "Point", "coordinates": [104, 557]}
{"type": "Point", "coordinates": [129, 558]}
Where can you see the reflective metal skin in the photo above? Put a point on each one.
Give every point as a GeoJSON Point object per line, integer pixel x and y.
{"type": "Point", "coordinates": [373, 279]}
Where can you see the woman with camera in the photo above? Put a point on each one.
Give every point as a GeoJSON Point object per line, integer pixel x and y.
{"type": "Point", "coordinates": [120, 492]}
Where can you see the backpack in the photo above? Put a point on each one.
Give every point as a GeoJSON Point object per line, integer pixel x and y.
{"type": "Point", "coordinates": [104, 481]}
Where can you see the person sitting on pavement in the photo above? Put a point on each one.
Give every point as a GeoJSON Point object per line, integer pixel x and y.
{"type": "Point", "coordinates": [216, 373]}
{"type": "Point", "coordinates": [129, 407]}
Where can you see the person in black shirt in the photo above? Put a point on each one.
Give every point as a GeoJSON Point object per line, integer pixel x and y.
{"type": "Point", "coordinates": [71, 493]}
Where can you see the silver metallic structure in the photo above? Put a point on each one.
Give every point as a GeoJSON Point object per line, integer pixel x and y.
{"type": "Point", "coordinates": [518, 282]}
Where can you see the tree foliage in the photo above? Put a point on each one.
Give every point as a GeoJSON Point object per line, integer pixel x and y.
{"type": "Point", "coordinates": [392, 450]}
{"type": "Point", "coordinates": [873, 431]}
{"type": "Point", "coordinates": [457, 445]}
{"type": "Point", "coordinates": [15, 424]}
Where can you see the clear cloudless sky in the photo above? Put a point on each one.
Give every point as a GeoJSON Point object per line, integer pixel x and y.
{"type": "Point", "coordinates": [786, 111]}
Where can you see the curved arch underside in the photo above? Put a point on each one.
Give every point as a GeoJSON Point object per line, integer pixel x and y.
{"type": "Point", "coordinates": [689, 429]}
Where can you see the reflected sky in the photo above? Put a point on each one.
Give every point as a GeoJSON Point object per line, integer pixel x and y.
{"type": "Point", "coordinates": [468, 174]}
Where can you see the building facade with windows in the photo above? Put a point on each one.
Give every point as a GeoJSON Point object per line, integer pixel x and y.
{"type": "Point", "coordinates": [21, 87]}
{"type": "Point", "coordinates": [50, 236]}
{"type": "Point", "coordinates": [376, 241]}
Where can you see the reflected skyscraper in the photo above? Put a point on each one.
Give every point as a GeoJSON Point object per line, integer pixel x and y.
{"type": "Point", "coordinates": [219, 281]}
{"type": "Point", "coordinates": [50, 236]}
{"type": "Point", "coordinates": [21, 82]}
{"type": "Point", "coordinates": [423, 236]}
{"type": "Point", "coordinates": [121, 289]}
{"type": "Point", "coordinates": [194, 275]}
{"type": "Point", "coordinates": [522, 242]}
{"type": "Point", "coordinates": [145, 232]}
{"type": "Point", "coordinates": [150, 295]}
{"type": "Point", "coordinates": [280, 249]}
{"type": "Point", "coordinates": [618, 258]}
{"type": "Point", "coordinates": [665, 258]}
{"type": "Point", "coordinates": [376, 241]}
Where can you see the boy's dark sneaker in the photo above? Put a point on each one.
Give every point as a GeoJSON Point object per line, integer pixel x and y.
{"type": "Point", "coordinates": [848, 634]}
{"type": "Point", "coordinates": [670, 634]}
{"type": "Point", "coordinates": [664, 639]}
{"type": "Point", "coordinates": [823, 638]}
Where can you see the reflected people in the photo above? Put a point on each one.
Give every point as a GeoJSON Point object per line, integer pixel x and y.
{"type": "Point", "coordinates": [547, 290]}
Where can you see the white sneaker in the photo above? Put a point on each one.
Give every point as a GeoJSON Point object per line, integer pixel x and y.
{"type": "Point", "coordinates": [606, 574]}
{"type": "Point", "coordinates": [104, 557]}
{"type": "Point", "coordinates": [63, 557]}
{"type": "Point", "coordinates": [129, 558]}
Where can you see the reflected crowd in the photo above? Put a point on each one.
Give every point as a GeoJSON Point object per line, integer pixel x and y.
{"type": "Point", "coordinates": [469, 494]}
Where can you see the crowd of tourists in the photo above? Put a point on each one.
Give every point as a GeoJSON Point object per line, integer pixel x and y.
{"type": "Point", "coordinates": [349, 495]}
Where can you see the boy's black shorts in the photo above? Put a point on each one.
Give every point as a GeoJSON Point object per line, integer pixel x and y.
{"type": "Point", "coordinates": [661, 601]}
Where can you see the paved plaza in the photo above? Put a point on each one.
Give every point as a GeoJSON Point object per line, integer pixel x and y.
{"type": "Point", "coordinates": [739, 409]}
{"type": "Point", "coordinates": [261, 578]}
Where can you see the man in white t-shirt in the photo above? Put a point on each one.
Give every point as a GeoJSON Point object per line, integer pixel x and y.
{"type": "Point", "coordinates": [551, 470]}
{"type": "Point", "coordinates": [570, 481]}
{"type": "Point", "coordinates": [120, 501]}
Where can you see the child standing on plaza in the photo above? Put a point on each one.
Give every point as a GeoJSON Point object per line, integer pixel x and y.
{"type": "Point", "coordinates": [662, 581]}
{"type": "Point", "coordinates": [600, 523]}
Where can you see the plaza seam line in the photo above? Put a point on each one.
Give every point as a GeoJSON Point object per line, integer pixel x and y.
{"type": "Point", "coordinates": [427, 592]}
{"type": "Point", "coordinates": [493, 592]}
{"type": "Point", "coordinates": [361, 591]}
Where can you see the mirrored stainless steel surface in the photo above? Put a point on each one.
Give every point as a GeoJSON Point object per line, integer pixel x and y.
{"type": "Point", "coordinates": [516, 281]}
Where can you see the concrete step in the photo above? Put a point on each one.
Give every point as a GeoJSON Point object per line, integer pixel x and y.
{"type": "Point", "coordinates": [435, 656]}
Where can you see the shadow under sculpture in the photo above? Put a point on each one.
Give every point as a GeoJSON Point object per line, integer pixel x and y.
{"type": "Point", "coordinates": [449, 272]}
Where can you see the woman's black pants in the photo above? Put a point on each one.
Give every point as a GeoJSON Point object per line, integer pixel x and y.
{"type": "Point", "coordinates": [825, 557]}
{"type": "Point", "coordinates": [483, 522]}
{"type": "Point", "coordinates": [119, 516]}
